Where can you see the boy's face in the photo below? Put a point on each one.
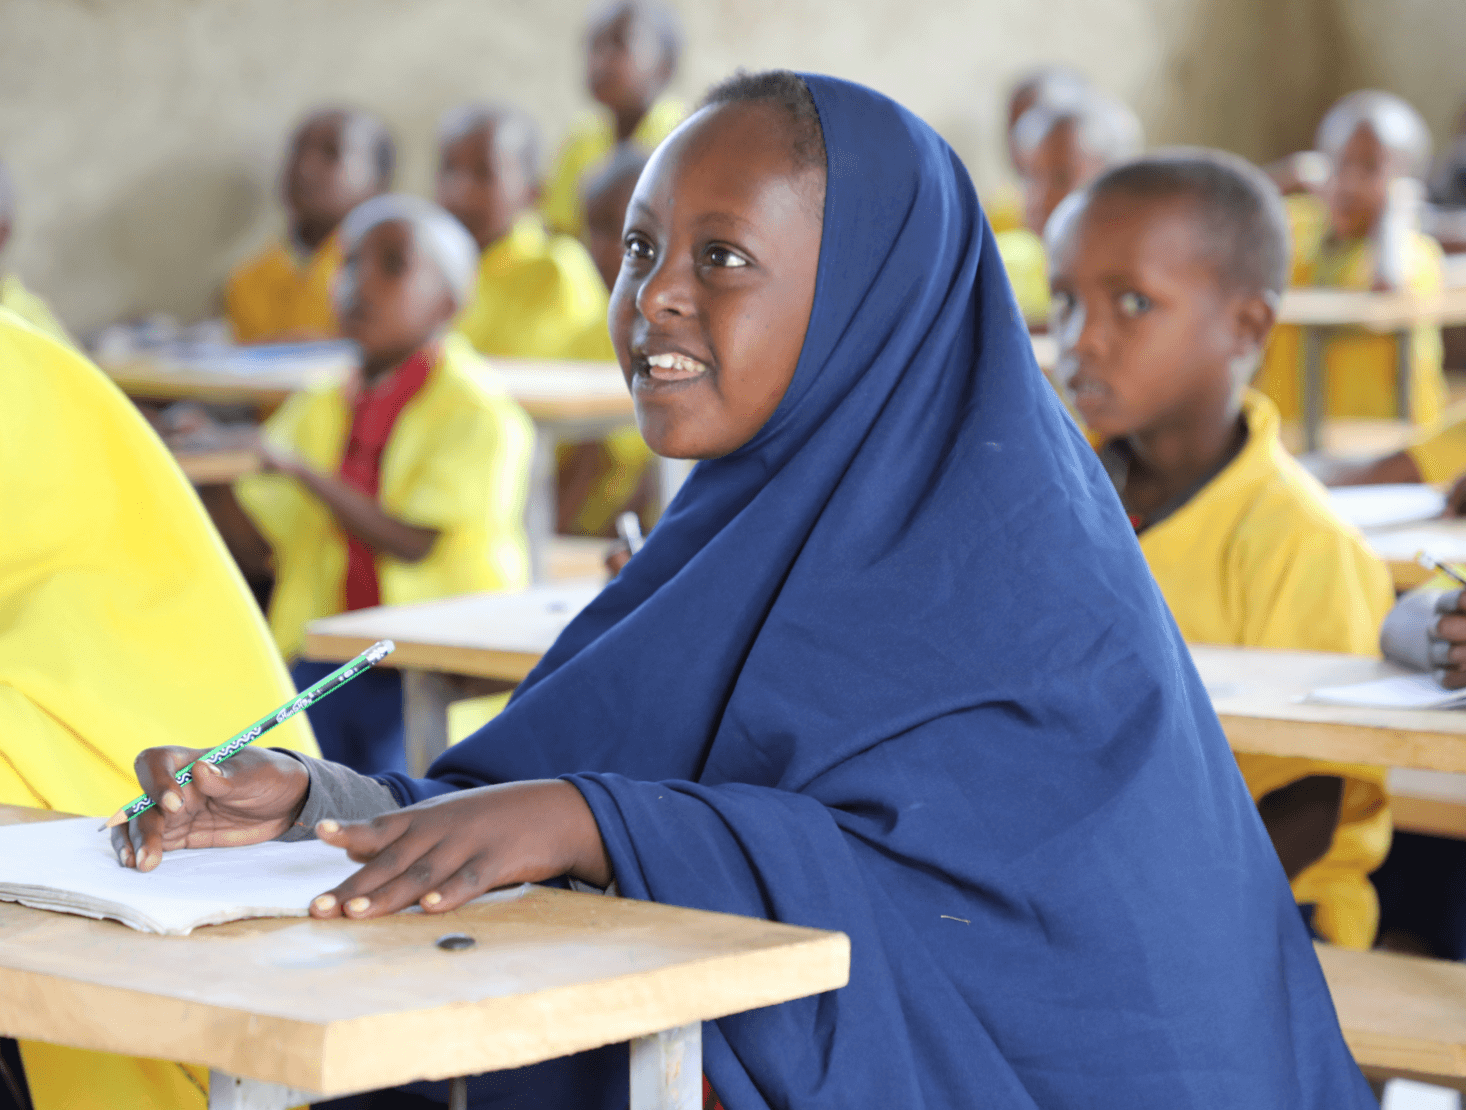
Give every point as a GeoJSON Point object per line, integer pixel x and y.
{"type": "Point", "coordinates": [482, 184]}
{"type": "Point", "coordinates": [393, 297]}
{"type": "Point", "coordinates": [605, 217]}
{"type": "Point", "coordinates": [626, 63]}
{"type": "Point", "coordinates": [1360, 184]}
{"type": "Point", "coordinates": [721, 250]}
{"type": "Point", "coordinates": [1053, 170]}
{"type": "Point", "coordinates": [1146, 332]}
{"type": "Point", "coordinates": [1024, 97]}
{"type": "Point", "coordinates": [330, 170]}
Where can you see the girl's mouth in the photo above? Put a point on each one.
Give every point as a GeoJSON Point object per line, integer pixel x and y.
{"type": "Point", "coordinates": [672, 367]}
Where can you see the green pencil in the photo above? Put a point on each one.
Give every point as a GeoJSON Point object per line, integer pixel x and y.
{"type": "Point", "coordinates": [301, 702]}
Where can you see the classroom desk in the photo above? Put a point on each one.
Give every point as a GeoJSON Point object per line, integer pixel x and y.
{"type": "Point", "coordinates": [1322, 312]}
{"type": "Point", "coordinates": [290, 1010]}
{"type": "Point", "coordinates": [216, 466]}
{"type": "Point", "coordinates": [1398, 546]}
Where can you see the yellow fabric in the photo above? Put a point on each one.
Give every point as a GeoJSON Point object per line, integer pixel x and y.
{"type": "Point", "coordinates": [536, 293]}
{"type": "Point", "coordinates": [1028, 271]}
{"type": "Point", "coordinates": [123, 625]}
{"type": "Point", "coordinates": [1359, 367]}
{"type": "Point", "coordinates": [30, 308]}
{"type": "Point", "coordinates": [1258, 559]}
{"type": "Point", "coordinates": [1005, 209]}
{"type": "Point", "coordinates": [591, 139]}
{"type": "Point", "coordinates": [1440, 451]}
{"type": "Point", "coordinates": [457, 461]}
{"type": "Point", "coordinates": [274, 296]}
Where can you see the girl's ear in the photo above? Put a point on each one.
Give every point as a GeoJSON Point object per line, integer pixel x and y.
{"type": "Point", "coordinates": [1254, 320]}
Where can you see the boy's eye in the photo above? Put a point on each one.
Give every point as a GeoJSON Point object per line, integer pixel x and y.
{"type": "Point", "coordinates": [638, 248]}
{"type": "Point", "coordinates": [724, 258]}
{"type": "Point", "coordinates": [1134, 304]}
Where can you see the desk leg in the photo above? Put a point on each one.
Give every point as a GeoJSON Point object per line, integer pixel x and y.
{"type": "Point", "coordinates": [540, 511]}
{"type": "Point", "coordinates": [230, 1092]}
{"type": "Point", "coordinates": [666, 1070]}
{"type": "Point", "coordinates": [1312, 389]}
{"type": "Point", "coordinates": [1402, 374]}
{"type": "Point", "coordinates": [425, 698]}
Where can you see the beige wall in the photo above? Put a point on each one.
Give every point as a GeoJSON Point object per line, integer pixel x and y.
{"type": "Point", "coordinates": [144, 134]}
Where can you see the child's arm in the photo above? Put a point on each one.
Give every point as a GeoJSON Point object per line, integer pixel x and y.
{"type": "Point", "coordinates": [1300, 819]}
{"type": "Point", "coordinates": [357, 512]}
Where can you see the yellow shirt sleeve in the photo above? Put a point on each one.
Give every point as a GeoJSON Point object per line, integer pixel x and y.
{"type": "Point", "coordinates": [1440, 455]}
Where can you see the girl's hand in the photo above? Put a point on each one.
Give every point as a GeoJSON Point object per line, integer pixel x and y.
{"type": "Point", "coordinates": [444, 852]}
{"type": "Point", "coordinates": [275, 459]}
{"type": "Point", "coordinates": [251, 798]}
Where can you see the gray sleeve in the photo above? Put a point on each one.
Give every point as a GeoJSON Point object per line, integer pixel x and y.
{"type": "Point", "coordinates": [1408, 636]}
{"type": "Point", "coordinates": [339, 792]}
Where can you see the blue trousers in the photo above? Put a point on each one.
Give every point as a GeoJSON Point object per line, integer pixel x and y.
{"type": "Point", "coordinates": [361, 724]}
{"type": "Point", "coordinates": [1422, 890]}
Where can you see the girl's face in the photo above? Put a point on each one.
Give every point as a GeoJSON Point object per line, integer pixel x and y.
{"type": "Point", "coordinates": [391, 298]}
{"type": "Point", "coordinates": [1360, 184]}
{"type": "Point", "coordinates": [710, 308]}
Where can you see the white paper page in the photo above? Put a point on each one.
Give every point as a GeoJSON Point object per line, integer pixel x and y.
{"type": "Point", "coordinates": [1385, 506]}
{"type": "Point", "coordinates": [1408, 691]}
{"type": "Point", "coordinates": [1401, 545]}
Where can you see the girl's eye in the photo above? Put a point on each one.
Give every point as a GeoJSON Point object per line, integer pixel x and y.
{"type": "Point", "coordinates": [1060, 303]}
{"type": "Point", "coordinates": [638, 248]}
{"type": "Point", "coordinates": [1134, 304]}
{"type": "Point", "coordinates": [724, 258]}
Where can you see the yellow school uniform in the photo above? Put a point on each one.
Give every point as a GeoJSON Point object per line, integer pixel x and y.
{"type": "Point", "coordinates": [1440, 451]}
{"type": "Point", "coordinates": [591, 139]}
{"type": "Point", "coordinates": [279, 295]}
{"type": "Point", "coordinates": [30, 308]}
{"type": "Point", "coordinates": [1258, 559]}
{"type": "Point", "coordinates": [123, 625]}
{"type": "Point", "coordinates": [536, 293]}
{"type": "Point", "coordinates": [457, 461]}
{"type": "Point", "coordinates": [1359, 367]}
{"type": "Point", "coordinates": [1027, 264]}
{"type": "Point", "coordinates": [1004, 208]}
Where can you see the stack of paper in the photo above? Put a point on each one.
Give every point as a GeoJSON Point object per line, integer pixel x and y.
{"type": "Point", "coordinates": [1387, 506]}
{"type": "Point", "coordinates": [1406, 691]}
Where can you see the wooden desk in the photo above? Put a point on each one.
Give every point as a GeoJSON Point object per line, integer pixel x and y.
{"type": "Point", "coordinates": [289, 1010]}
{"type": "Point", "coordinates": [208, 467]}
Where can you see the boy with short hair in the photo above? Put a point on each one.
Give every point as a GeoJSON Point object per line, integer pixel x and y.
{"type": "Point", "coordinates": [1047, 84]}
{"type": "Point", "coordinates": [338, 158]}
{"type": "Point", "coordinates": [536, 290]}
{"type": "Point", "coordinates": [632, 51]}
{"type": "Point", "coordinates": [1370, 240]}
{"type": "Point", "coordinates": [1166, 273]}
{"type": "Point", "coordinates": [13, 294]}
{"type": "Point", "coordinates": [404, 484]}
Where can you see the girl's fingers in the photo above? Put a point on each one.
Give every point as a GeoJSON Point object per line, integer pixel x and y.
{"type": "Point", "coordinates": [364, 841]}
{"type": "Point", "coordinates": [476, 876]}
{"type": "Point", "coordinates": [421, 877]}
{"type": "Point", "coordinates": [384, 844]}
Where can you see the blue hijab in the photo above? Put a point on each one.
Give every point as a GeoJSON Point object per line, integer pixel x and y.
{"type": "Point", "coordinates": [896, 667]}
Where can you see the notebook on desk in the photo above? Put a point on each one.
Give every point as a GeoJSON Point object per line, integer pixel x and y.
{"type": "Point", "coordinates": [1406, 691]}
{"type": "Point", "coordinates": [69, 866]}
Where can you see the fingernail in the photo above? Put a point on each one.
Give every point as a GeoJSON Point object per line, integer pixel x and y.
{"type": "Point", "coordinates": [328, 826]}
{"type": "Point", "coordinates": [325, 903]}
{"type": "Point", "coordinates": [358, 905]}
{"type": "Point", "coordinates": [432, 898]}
{"type": "Point", "coordinates": [171, 802]}
{"type": "Point", "coordinates": [206, 767]}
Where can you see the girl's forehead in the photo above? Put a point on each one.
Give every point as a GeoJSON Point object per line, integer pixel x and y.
{"type": "Point", "coordinates": [728, 150]}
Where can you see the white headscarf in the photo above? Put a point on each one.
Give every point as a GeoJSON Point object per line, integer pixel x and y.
{"type": "Point", "coordinates": [436, 233]}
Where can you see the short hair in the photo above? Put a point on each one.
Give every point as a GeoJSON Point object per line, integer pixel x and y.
{"type": "Point", "coordinates": [785, 89]}
{"type": "Point", "coordinates": [1106, 127]}
{"type": "Point", "coordinates": [1049, 84]}
{"type": "Point", "coordinates": [515, 132]}
{"type": "Point", "coordinates": [1239, 210]}
{"type": "Point", "coordinates": [7, 195]}
{"type": "Point", "coordinates": [662, 19]}
{"type": "Point", "coordinates": [382, 147]}
{"type": "Point", "coordinates": [436, 233]}
{"type": "Point", "coordinates": [625, 162]}
{"type": "Point", "coordinates": [1392, 119]}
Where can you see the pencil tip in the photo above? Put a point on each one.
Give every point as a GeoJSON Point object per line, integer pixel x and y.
{"type": "Point", "coordinates": [116, 819]}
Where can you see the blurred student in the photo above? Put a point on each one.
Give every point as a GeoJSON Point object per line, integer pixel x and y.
{"type": "Point", "coordinates": [1448, 174]}
{"type": "Point", "coordinates": [599, 481]}
{"type": "Point", "coordinates": [1379, 148]}
{"type": "Point", "coordinates": [536, 290]}
{"type": "Point", "coordinates": [632, 51]}
{"type": "Point", "coordinates": [1166, 276]}
{"type": "Point", "coordinates": [338, 158]}
{"type": "Point", "coordinates": [13, 293]}
{"type": "Point", "coordinates": [122, 624]}
{"type": "Point", "coordinates": [407, 483]}
{"type": "Point", "coordinates": [1063, 143]}
{"type": "Point", "coordinates": [1048, 85]}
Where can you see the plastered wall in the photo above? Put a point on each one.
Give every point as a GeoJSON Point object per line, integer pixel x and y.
{"type": "Point", "coordinates": [144, 135]}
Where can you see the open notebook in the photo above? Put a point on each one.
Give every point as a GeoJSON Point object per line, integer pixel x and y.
{"type": "Point", "coordinates": [1406, 691]}
{"type": "Point", "coordinates": [70, 866]}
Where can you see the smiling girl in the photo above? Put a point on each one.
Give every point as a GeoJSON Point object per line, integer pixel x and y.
{"type": "Point", "coordinates": [890, 664]}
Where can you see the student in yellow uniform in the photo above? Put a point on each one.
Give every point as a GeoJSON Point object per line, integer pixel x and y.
{"type": "Point", "coordinates": [536, 290]}
{"type": "Point", "coordinates": [123, 624]}
{"type": "Point", "coordinates": [1063, 143]}
{"type": "Point", "coordinates": [1166, 274]}
{"type": "Point", "coordinates": [599, 481]}
{"type": "Point", "coordinates": [338, 158]}
{"type": "Point", "coordinates": [1049, 85]}
{"type": "Point", "coordinates": [404, 484]}
{"type": "Point", "coordinates": [13, 293]}
{"type": "Point", "coordinates": [1380, 146]}
{"type": "Point", "coordinates": [632, 51]}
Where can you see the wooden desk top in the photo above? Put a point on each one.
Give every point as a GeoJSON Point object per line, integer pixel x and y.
{"type": "Point", "coordinates": [207, 467]}
{"type": "Point", "coordinates": [1379, 312]}
{"type": "Point", "coordinates": [341, 1006]}
{"type": "Point", "coordinates": [1253, 691]}
{"type": "Point", "coordinates": [499, 636]}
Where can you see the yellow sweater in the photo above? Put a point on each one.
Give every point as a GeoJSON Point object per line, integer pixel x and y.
{"type": "Point", "coordinates": [123, 625]}
{"type": "Point", "coordinates": [1258, 559]}
{"type": "Point", "coordinates": [1004, 208]}
{"type": "Point", "coordinates": [274, 297]}
{"type": "Point", "coordinates": [591, 139]}
{"type": "Point", "coordinates": [457, 461]}
{"type": "Point", "coordinates": [1028, 271]}
{"type": "Point", "coordinates": [1440, 451]}
{"type": "Point", "coordinates": [536, 293]}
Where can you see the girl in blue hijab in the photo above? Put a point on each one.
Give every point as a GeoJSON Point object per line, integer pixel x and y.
{"type": "Point", "coordinates": [891, 664]}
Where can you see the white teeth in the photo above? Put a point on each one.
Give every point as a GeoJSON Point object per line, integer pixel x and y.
{"type": "Point", "coordinates": [672, 361]}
